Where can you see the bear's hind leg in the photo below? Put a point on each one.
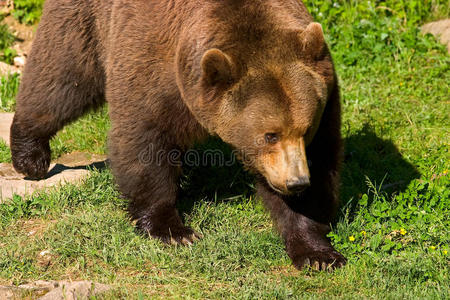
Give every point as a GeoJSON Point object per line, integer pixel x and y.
{"type": "Point", "coordinates": [40, 114]}
{"type": "Point", "coordinates": [62, 80]}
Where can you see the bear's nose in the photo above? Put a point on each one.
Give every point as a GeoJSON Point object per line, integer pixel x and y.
{"type": "Point", "coordinates": [297, 184]}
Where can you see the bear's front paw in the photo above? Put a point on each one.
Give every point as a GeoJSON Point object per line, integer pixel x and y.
{"type": "Point", "coordinates": [173, 235]}
{"type": "Point", "coordinates": [319, 260]}
{"type": "Point", "coordinates": [31, 157]}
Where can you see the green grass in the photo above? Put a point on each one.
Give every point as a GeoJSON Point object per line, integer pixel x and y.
{"type": "Point", "coordinates": [89, 237]}
{"type": "Point", "coordinates": [7, 54]}
{"type": "Point", "coordinates": [6, 37]}
{"type": "Point", "coordinates": [8, 89]}
{"type": "Point", "coordinates": [394, 221]}
{"type": "Point", "coordinates": [86, 134]}
{"type": "Point", "coordinates": [28, 11]}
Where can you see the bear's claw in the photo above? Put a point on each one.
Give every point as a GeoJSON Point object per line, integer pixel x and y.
{"type": "Point", "coordinates": [175, 235]}
{"type": "Point", "coordinates": [320, 261]}
{"type": "Point", "coordinates": [188, 241]}
{"type": "Point", "coordinates": [181, 238]}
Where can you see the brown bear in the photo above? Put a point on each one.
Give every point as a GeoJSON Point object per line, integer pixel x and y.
{"type": "Point", "coordinates": [256, 73]}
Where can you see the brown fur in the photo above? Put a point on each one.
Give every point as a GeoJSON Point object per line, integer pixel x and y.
{"type": "Point", "coordinates": [175, 71]}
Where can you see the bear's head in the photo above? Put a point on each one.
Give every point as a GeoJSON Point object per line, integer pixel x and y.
{"type": "Point", "coordinates": [267, 102]}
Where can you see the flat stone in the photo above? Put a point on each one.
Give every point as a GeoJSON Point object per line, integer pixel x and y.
{"type": "Point", "coordinates": [8, 293]}
{"type": "Point", "coordinates": [76, 159]}
{"type": "Point", "coordinates": [5, 125]}
{"type": "Point", "coordinates": [69, 168]}
{"type": "Point", "coordinates": [6, 69]}
{"type": "Point", "coordinates": [40, 285]}
{"type": "Point", "coordinates": [19, 61]}
{"type": "Point", "coordinates": [440, 29]}
{"type": "Point", "coordinates": [76, 290]}
{"type": "Point", "coordinates": [54, 290]}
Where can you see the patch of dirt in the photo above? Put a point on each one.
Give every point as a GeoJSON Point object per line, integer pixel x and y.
{"type": "Point", "coordinates": [44, 260]}
{"type": "Point", "coordinates": [35, 227]}
{"type": "Point", "coordinates": [284, 271]}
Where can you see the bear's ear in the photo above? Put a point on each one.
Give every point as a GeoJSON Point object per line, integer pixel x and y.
{"type": "Point", "coordinates": [312, 40]}
{"type": "Point", "coordinates": [216, 68]}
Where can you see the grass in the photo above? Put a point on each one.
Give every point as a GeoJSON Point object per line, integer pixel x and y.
{"type": "Point", "coordinates": [86, 134]}
{"type": "Point", "coordinates": [88, 236]}
{"type": "Point", "coordinates": [394, 221]}
{"type": "Point", "coordinates": [8, 89]}
{"type": "Point", "coordinates": [7, 54]}
{"type": "Point", "coordinates": [27, 11]}
{"type": "Point", "coordinates": [6, 37]}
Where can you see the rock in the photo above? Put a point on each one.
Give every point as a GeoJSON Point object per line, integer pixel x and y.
{"type": "Point", "coordinates": [5, 124]}
{"type": "Point", "coordinates": [40, 285]}
{"type": "Point", "coordinates": [440, 29]}
{"type": "Point", "coordinates": [76, 290]}
{"type": "Point", "coordinates": [69, 168]}
{"type": "Point", "coordinates": [38, 288]}
{"type": "Point", "coordinates": [53, 290]}
{"type": "Point", "coordinates": [6, 69]}
{"type": "Point", "coordinates": [77, 159]}
{"type": "Point", "coordinates": [8, 293]}
{"type": "Point", "coordinates": [19, 61]}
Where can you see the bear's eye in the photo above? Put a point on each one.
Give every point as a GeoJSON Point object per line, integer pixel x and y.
{"type": "Point", "coordinates": [271, 138]}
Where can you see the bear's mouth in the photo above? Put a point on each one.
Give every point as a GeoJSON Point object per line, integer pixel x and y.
{"type": "Point", "coordinates": [280, 191]}
{"type": "Point", "coordinates": [284, 191]}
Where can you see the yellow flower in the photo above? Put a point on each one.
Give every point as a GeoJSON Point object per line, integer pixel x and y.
{"type": "Point", "coordinates": [351, 238]}
{"type": "Point", "coordinates": [401, 83]}
{"type": "Point", "coordinates": [445, 252]}
{"type": "Point", "coordinates": [445, 172]}
{"type": "Point", "coordinates": [363, 233]}
{"type": "Point", "coordinates": [402, 231]}
{"type": "Point", "coordinates": [432, 248]}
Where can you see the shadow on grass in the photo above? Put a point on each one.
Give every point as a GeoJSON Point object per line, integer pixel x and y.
{"type": "Point", "coordinates": [214, 182]}
{"type": "Point", "coordinates": [366, 156]}
{"type": "Point", "coordinates": [369, 157]}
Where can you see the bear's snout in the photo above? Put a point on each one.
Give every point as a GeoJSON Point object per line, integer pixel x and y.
{"type": "Point", "coordinates": [297, 184]}
{"type": "Point", "coordinates": [286, 167]}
